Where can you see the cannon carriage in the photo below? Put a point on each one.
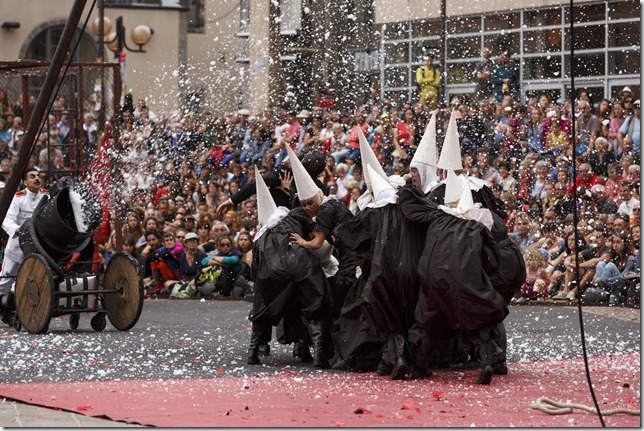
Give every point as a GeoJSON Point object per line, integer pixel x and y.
{"type": "Point", "coordinates": [61, 275]}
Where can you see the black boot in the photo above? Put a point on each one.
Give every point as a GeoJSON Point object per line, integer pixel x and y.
{"type": "Point", "coordinates": [318, 336]}
{"type": "Point", "coordinates": [258, 337]}
{"type": "Point", "coordinates": [7, 307]}
{"type": "Point", "coordinates": [500, 347]}
{"type": "Point", "coordinates": [401, 366]}
{"type": "Point", "coordinates": [265, 350]}
{"type": "Point", "coordinates": [301, 350]}
{"type": "Point", "coordinates": [485, 353]}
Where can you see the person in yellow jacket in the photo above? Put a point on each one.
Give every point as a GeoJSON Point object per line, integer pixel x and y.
{"type": "Point", "coordinates": [428, 78]}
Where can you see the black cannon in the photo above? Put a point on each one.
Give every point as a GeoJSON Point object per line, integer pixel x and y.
{"type": "Point", "coordinates": [59, 274]}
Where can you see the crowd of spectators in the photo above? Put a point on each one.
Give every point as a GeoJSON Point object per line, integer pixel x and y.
{"type": "Point", "coordinates": [177, 168]}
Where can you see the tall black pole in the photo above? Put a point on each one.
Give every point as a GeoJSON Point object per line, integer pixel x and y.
{"type": "Point", "coordinates": [575, 217]}
{"type": "Point", "coordinates": [36, 117]}
{"type": "Point", "coordinates": [101, 30]}
{"type": "Point", "coordinates": [444, 49]}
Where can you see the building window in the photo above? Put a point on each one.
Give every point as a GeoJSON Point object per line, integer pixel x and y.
{"type": "Point", "coordinates": [196, 21]}
{"type": "Point", "coordinates": [291, 14]}
{"type": "Point", "coordinates": [43, 46]}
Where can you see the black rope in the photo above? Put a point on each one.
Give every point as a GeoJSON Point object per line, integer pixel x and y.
{"type": "Point", "coordinates": [575, 215]}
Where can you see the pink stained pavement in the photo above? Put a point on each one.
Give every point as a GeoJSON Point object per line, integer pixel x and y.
{"type": "Point", "coordinates": [448, 399]}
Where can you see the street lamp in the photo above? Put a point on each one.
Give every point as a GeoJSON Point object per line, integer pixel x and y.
{"type": "Point", "coordinates": [115, 40]}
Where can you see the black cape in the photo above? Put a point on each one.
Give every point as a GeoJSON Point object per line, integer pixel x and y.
{"type": "Point", "coordinates": [288, 277]}
{"type": "Point", "coordinates": [383, 301]}
{"type": "Point", "coordinates": [456, 270]}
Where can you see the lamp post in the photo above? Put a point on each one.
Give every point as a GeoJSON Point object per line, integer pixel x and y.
{"type": "Point", "coordinates": [115, 40]}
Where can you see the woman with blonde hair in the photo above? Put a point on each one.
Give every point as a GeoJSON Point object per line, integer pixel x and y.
{"type": "Point", "coordinates": [535, 286]}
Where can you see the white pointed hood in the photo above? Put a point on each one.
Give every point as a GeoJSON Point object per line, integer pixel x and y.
{"type": "Point", "coordinates": [453, 188]}
{"type": "Point", "coordinates": [451, 153]}
{"type": "Point", "coordinates": [369, 158]}
{"type": "Point", "coordinates": [383, 192]}
{"type": "Point", "coordinates": [465, 203]}
{"type": "Point", "coordinates": [306, 187]}
{"type": "Point", "coordinates": [265, 203]}
{"type": "Point", "coordinates": [426, 156]}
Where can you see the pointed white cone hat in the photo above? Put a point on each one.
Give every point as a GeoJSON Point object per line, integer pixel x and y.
{"type": "Point", "coordinates": [453, 187]}
{"type": "Point", "coordinates": [306, 187]}
{"type": "Point", "coordinates": [369, 158]}
{"type": "Point", "coordinates": [426, 156]}
{"type": "Point", "coordinates": [466, 202]}
{"type": "Point", "coordinates": [378, 183]}
{"type": "Point", "coordinates": [265, 203]}
{"type": "Point", "coordinates": [451, 153]}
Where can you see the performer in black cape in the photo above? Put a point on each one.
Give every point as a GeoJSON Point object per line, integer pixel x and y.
{"type": "Point", "coordinates": [458, 273]}
{"type": "Point", "coordinates": [511, 265]}
{"type": "Point", "coordinates": [327, 215]}
{"type": "Point", "coordinates": [379, 310]}
{"type": "Point", "coordinates": [286, 276]}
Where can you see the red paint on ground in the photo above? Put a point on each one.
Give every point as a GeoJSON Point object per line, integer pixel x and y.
{"type": "Point", "coordinates": [448, 399]}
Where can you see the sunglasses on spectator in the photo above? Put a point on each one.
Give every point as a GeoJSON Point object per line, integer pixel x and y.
{"type": "Point", "coordinates": [180, 237]}
{"type": "Point", "coordinates": [225, 244]}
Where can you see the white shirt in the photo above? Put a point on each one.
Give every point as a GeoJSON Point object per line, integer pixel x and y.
{"type": "Point", "coordinates": [21, 209]}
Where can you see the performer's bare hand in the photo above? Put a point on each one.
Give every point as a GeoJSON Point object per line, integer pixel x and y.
{"type": "Point", "coordinates": [223, 207]}
{"type": "Point", "coordinates": [286, 179]}
{"type": "Point", "coordinates": [296, 239]}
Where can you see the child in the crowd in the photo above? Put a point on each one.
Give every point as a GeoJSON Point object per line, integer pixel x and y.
{"type": "Point", "coordinates": [166, 266]}
{"type": "Point", "coordinates": [535, 286]}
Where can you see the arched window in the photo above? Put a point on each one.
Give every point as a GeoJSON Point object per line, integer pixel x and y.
{"type": "Point", "coordinates": [43, 46]}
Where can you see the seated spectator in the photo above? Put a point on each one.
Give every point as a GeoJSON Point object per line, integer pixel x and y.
{"type": "Point", "coordinates": [602, 204]}
{"type": "Point", "coordinates": [148, 251]}
{"type": "Point", "coordinates": [556, 141]}
{"type": "Point", "coordinates": [626, 198]}
{"type": "Point", "coordinates": [535, 284]}
{"type": "Point", "coordinates": [565, 268]}
{"type": "Point", "coordinates": [522, 236]}
{"type": "Point", "coordinates": [598, 252]}
{"type": "Point", "coordinates": [616, 266]}
{"type": "Point", "coordinates": [229, 260]}
{"type": "Point", "coordinates": [600, 157]}
{"type": "Point", "coordinates": [190, 263]}
{"type": "Point", "coordinates": [165, 265]}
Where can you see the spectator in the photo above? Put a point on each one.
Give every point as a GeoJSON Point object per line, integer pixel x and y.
{"type": "Point", "coordinates": [483, 75]}
{"type": "Point", "coordinates": [228, 260]}
{"type": "Point", "coordinates": [535, 284]}
{"type": "Point", "coordinates": [588, 128]}
{"type": "Point", "coordinates": [522, 236]}
{"type": "Point", "coordinates": [505, 77]}
{"type": "Point", "coordinates": [617, 118]}
{"type": "Point", "coordinates": [615, 178]}
{"type": "Point", "coordinates": [428, 78]}
{"type": "Point", "coordinates": [626, 199]}
{"type": "Point", "coordinates": [600, 157]}
{"type": "Point", "coordinates": [629, 133]}
{"type": "Point", "coordinates": [602, 204]}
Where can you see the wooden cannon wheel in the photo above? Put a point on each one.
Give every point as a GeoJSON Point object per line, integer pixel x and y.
{"type": "Point", "coordinates": [34, 294]}
{"type": "Point", "coordinates": [124, 307]}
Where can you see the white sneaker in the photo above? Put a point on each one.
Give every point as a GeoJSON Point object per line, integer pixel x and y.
{"type": "Point", "coordinates": [571, 296]}
{"type": "Point", "coordinates": [521, 300]}
{"type": "Point", "coordinates": [560, 295]}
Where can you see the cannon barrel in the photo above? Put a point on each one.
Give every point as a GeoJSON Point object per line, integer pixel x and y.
{"type": "Point", "coordinates": [63, 223]}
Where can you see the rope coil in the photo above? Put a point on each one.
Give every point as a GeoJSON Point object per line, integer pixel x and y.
{"type": "Point", "coordinates": [551, 407]}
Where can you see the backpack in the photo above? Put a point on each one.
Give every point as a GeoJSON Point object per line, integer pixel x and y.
{"type": "Point", "coordinates": [208, 274]}
{"type": "Point", "coordinates": [181, 290]}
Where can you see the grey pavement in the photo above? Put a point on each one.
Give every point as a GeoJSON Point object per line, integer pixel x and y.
{"type": "Point", "coordinates": [192, 339]}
